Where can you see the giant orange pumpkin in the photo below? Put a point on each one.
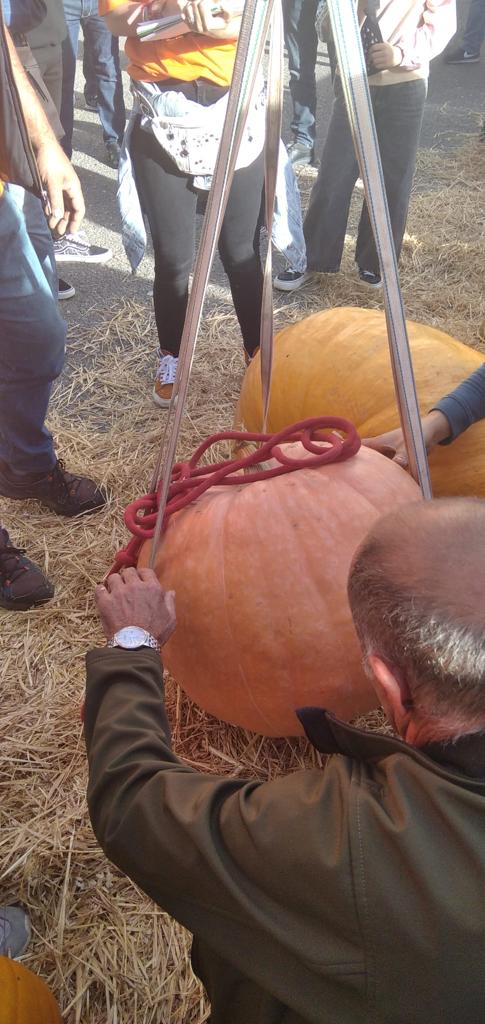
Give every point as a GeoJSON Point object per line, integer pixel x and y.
{"type": "Point", "coordinates": [337, 363]}
{"type": "Point", "coordinates": [24, 997]}
{"type": "Point", "coordinates": [259, 572]}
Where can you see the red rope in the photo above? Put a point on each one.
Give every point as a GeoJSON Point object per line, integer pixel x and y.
{"type": "Point", "coordinates": [190, 481]}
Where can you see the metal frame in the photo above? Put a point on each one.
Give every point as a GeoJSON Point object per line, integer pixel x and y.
{"type": "Point", "coordinates": [253, 33]}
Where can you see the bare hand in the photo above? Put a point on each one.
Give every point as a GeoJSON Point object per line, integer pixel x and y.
{"type": "Point", "coordinates": [199, 17]}
{"type": "Point", "coordinates": [134, 597]}
{"type": "Point", "coordinates": [66, 203]}
{"type": "Point", "coordinates": [385, 56]}
{"type": "Point", "coordinates": [435, 429]}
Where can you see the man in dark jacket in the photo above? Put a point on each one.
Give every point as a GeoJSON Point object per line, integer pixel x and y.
{"type": "Point", "coordinates": [349, 895]}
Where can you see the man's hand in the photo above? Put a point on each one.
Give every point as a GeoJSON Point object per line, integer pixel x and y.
{"type": "Point", "coordinates": [66, 203]}
{"type": "Point", "coordinates": [435, 429]}
{"type": "Point", "coordinates": [385, 56]}
{"type": "Point", "coordinates": [58, 177]}
{"type": "Point", "coordinates": [199, 17]}
{"type": "Point", "coordinates": [134, 597]}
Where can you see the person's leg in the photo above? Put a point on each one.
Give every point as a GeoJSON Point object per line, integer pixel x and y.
{"type": "Point", "coordinates": [72, 10]}
{"type": "Point", "coordinates": [305, 91]}
{"type": "Point", "coordinates": [104, 53]}
{"type": "Point", "coordinates": [326, 218]}
{"type": "Point", "coordinates": [170, 206]}
{"type": "Point", "coordinates": [475, 27]}
{"type": "Point", "coordinates": [32, 337]}
{"type": "Point", "coordinates": [291, 16]}
{"type": "Point", "coordinates": [398, 112]}
{"type": "Point", "coordinates": [238, 249]}
{"type": "Point", "coordinates": [89, 76]}
{"type": "Point", "coordinates": [49, 59]}
{"type": "Point", "coordinates": [301, 44]}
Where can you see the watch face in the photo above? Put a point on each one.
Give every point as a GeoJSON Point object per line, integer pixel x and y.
{"type": "Point", "coordinates": [131, 637]}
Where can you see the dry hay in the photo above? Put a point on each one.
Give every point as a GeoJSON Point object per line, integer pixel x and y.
{"type": "Point", "coordinates": [109, 954]}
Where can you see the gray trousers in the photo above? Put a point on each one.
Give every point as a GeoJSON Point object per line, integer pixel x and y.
{"type": "Point", "coordinates": [475, 26]}
{"type": "Point", "coordinates": [398, 113]}
{"type": "Point", "coordinates": [49, 59]}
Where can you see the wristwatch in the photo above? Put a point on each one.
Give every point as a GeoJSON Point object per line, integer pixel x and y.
{"type": "Point", "coordinates": [131, 638]}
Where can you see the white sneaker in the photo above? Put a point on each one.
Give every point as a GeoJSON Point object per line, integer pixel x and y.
{"type": "Point", "coordinates": [290, 280]}
{"type": "Point", "coordinates": [164, 381]}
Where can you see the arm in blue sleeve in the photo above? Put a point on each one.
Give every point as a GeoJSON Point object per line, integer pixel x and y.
{"type": "Point", "coordinates": [7, 13]}
{"type": "Point", "coordinates": [465, 405]}
{"type": "Point", "coordinates": [23, 15]}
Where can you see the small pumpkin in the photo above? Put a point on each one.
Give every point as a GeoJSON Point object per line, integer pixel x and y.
{"type": "Point", "coordinates": [337, 363]}
{"type": "Point", "coordinates": [260, 573]}
{"type": "Point", "coordinates": [24, 997]}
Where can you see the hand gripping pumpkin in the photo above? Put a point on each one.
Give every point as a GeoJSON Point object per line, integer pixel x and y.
{"type": "Point", "coordinates": [337, 363]}
{"type": "Point", "coordinates": [259, 572]}
{"type": "Point", "coordinates": [25, 998]}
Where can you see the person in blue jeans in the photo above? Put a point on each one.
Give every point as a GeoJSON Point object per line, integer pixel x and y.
{"type": "Point", "coordinates": [301, 45]}
{"type": "Point", "coordinates": [473, 36]}
{"type": "Point", "coordinates": [105, 62]}
{"type": "Point", "coordinates": [32, 333]}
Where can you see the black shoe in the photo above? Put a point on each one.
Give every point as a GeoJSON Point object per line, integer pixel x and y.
{"type": "Point", "coordinates": [113, 153]}
{"type": "Point", "coordinates": [91, 102]}
{"type": "Point", "coordinates": [370, 279]}
{"type": "Point", "coordinates": [22, 584]}
{"type": "Point", "coordinates": [462, 56]}
{"type": "Point", "coordinates": [65, 290]}
{"type": "Point", "coordinates": [62, 492]}
{"type": "Point", "coordinates": [300, 154]}
{"type": "Point", "coordinates": [289, 280]}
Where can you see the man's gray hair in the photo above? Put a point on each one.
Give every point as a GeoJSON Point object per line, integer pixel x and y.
{"type": "Point", "coordinates": [426, 628]}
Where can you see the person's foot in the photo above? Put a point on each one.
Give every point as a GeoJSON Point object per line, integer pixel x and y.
{"type": "Point", "coordinates": [165, 380]}
{"type": "Point", "coordinates": [370, 279]}
{"type": "Point", "coordinates": [290, 280]}
{"type": "Point", "coordinates": [22, 586]}
{"type": "Point", "coordinates": [62, 492]}
{"type": "Point", "coordinates": [462, 56]}
{"type": "Point", "coordinates": [91, 102]}
{"type": "Point", "coordinates": [300, 154]}
{"type": "Point", "coordinates": [14, 931]}
{"type": "Point", "coordinates": [65, 290]}
{"type": "Point", "coordinates": [76, 249]}
{"type": "Point", "coordinates": [113, 152]}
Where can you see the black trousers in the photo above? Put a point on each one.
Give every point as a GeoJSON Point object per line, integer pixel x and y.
{"type": "Point", "coordinates": [170, 204]}
{"type": "Point", "coordinates": [398, 112]}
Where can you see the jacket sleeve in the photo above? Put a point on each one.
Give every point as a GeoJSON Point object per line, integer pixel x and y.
{"type": "Point", "coordinates": [235, 861]}
{"type": "Point", "coordinates": [432, 35]}
{"type": "Point", "coordinates": [23, 15]}
{"type": "Point", "coordinates": [465, 405]}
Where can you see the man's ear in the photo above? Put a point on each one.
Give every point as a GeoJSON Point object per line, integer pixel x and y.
{"type": "Point", "coordinates": [392, 691]}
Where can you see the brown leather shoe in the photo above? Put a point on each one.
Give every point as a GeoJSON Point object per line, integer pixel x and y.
{"type": "Point", "coordinates": [22, 584]}
{"type": "Point", "coordinates": [63, 492]}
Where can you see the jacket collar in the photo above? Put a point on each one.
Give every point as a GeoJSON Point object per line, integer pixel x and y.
{"type": "Point", "coordinates": [462, 760]}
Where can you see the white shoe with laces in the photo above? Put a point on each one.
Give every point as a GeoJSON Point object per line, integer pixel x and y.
{"type": "Point", "coordinates": [165, 380]}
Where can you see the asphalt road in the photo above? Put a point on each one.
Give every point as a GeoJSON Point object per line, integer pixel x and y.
{"type": "Point", "coordinates": [455, 108]}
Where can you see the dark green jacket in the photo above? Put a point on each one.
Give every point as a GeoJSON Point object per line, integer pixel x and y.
{"type": "Point", "coordinates": [343, 896]}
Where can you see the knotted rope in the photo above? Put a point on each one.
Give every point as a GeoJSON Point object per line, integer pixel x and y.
{"type": "Point", "coordinates": [190, 480]}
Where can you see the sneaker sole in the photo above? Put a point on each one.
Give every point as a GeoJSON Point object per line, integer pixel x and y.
{"type": "Point", "coordinates": [99, 258]}
{"type": "Point", "coordinates": [68, 293]}
{"type": "Point", "coordinates": [291, 286]}
{"type": "Point", "coordinates": [163, 403]}
{"type": "Point", "coordinates": [26, 605]}
{"type": "Point", "coordinates": [368, 284]}
{"type": "Point", "coordinates": [469, 60]}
